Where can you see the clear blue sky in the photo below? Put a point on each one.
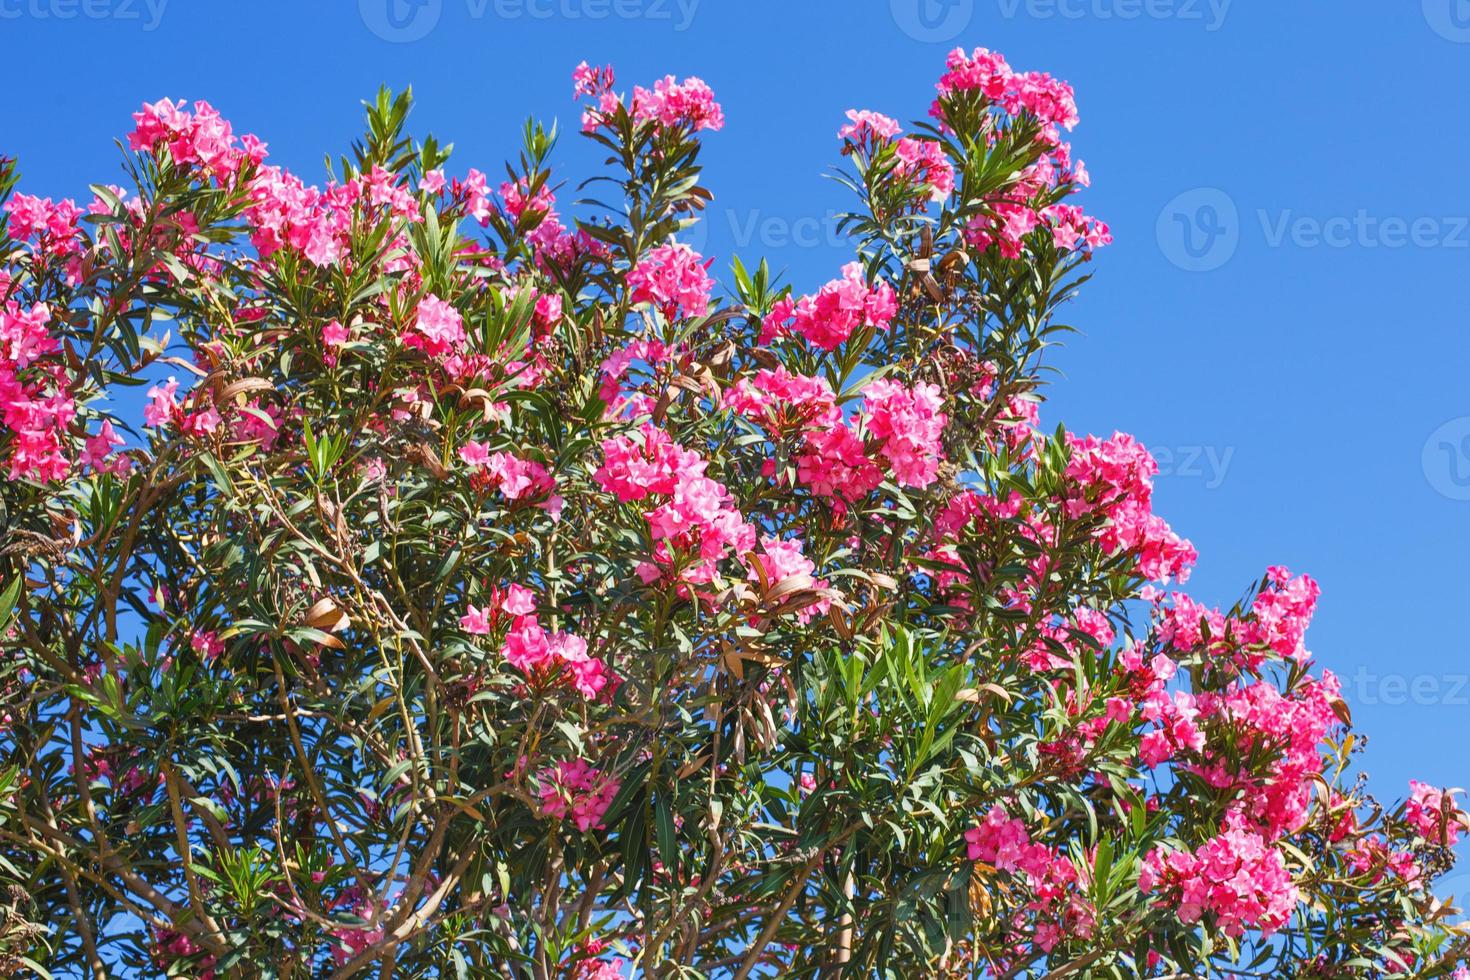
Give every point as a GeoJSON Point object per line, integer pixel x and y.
{"type": "Point", "coordinates": [1282, 318]}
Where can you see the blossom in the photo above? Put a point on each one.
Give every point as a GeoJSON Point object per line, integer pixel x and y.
{"type": "Point", "coordinates": [911, 425]}
{"type": "Point", "coordinates": [1115, 477]}
{"type": "Point", "coordinates": [589, 81]}
{"type": "Point", "coordinates": [867, 128]}
{"type": "Point", "coordinates": [1236, 877]}
{"type": "Point", "coordinates": [161, 404]}
{"type": "Point", "coordinates": [674, 278]}
{"type": "Point", "coordinates": [24, 337]}
{"type": "Point", "coordinates": [518, 601]}
{"type": "Point", "coordinates": [577, 790]}
{"type": "Point", "coordinates": [1001, 840]}
{"type": "Point", "coordinates": [100, 446]}
{"type": "Point", "coordinates": [475, 622]}
{"type": "Point", "coordinates": [829, 317]}
{"type": "Point", "coordinates": [438, 328]}
{"type": "Point", "coordinates": [515, 476]}
{"type": "Point", "coordinates": [924, 162]}
{"type": "Point", "coordinates": [1433, 814]}
{"type": "Point", "coordinates": [690, 104]}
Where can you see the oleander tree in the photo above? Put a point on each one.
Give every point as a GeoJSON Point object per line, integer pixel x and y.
{"type": "Point", "coordinates": [402, 578]}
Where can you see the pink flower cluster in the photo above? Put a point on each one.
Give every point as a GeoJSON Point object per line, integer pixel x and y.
{"type": "Point", "coordinates": [1281, 614]}
{"type": "Point", "coordinates": [690, 104]}
{"type": "Point", "coordinates": [1001, 840]}
{"type": "Point", "coordinates": [533, 651]}
{"type": "Point", "coordinates": [906, 425]}
{"type": "Point", "coordinates": [52, 227]}
{"type": "Point", "coordinates": [866, 128]}
{"type": "Point", "coordinates": [284, 212]}
{"type": "Point", "coordinates": [171, 947]}
{"type": "Point", "coordinates": [438, 328]}
{"type": "Point", "coordinates": [674, 278]}
{"type": "Point", "coordinates": [1237, 877]}
{"type": "Point", "coordinates": [827, 319]}
{"type": "Point", "coordinates": [589, 81]}
{"type": "Point", "coordinates": [786, 561]}
{"type": "Point", "coordinates": [1115, 477]}
{"type": "Point", "coordinates": [577, 790]}
{"type": "Point", "coordinates": [202, 138]}
{"type": "Point", "coordinates": [920, 161]}
{"type": "Point", "coordinates": [911, 426]}
{"type": "Point", "coordinates": [1292, 728]}
{"type": "Point", "coordinates": [1012, 214]}
{"type": "Point", "coordinates": [923, 161]}
{"type": "Point", "coordinates": [515, 477]}
{"type": "Point", "coordinates": [1057, 902]}
{"type": "Point", "coordinates": [164, 409]}
{"type": "Point", "coordinates": [695, 518]}
{"type": "Point", "coordinates": [1433, 813]}
{"type": "Point", "coordinates": [834, 462]}
{"type": "Point", "coordinates": [647, 355]}
{"type": "Point", "coordinates": [35, 405]}
{"type": "Point", "coordinates": [784, 402]}
{"type": "Point", "coordinates": [1050, 101]}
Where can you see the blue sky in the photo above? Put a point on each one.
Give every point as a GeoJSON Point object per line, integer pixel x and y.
{"type": "Point", "coordinates": [1281, 319]}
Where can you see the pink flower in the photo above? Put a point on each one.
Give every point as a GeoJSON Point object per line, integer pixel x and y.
{"type": "Point", "coordinates": [161, 404]}
{"type": "Point", "coordinates": [924, 162]}
{"type": "Point", "coordinates": [577, 790]}
{"type": "Point", "coordinates": [24, 337]}
{"type": "Point", "coordinates": [1236, 877]}
{"type": "Point", "coordinates": [518, 601]}
{"type": "Point", "coordinates": [438, 329]}
{"type": "Point", "coordinates": [840, 307]}
{"type": "Point", "coordinates": [527, 647]}
{"type": "Point", "coordinates": [911, 425]}
{"type": "Point", "coordinates": [674, 279]}
{"type": "Point", "coordinates": [589, 81]}
{"type": "Point", "coordinates": [100, 446]}
{"type": "Point", "coordinates": [689, 103]}
{"type": "Point", "coordinates": [207, 644]}
{"type": "Point", "coordinates": [475, 622]}
{"type": "Point", "coordinates": [1433, 813]}
{"type": "Point", "coordinates": [867, 128]}
{"type": "Point", "coordinates": [475, 454]}
{"type": "Point", "coordinates": [517, 477]}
